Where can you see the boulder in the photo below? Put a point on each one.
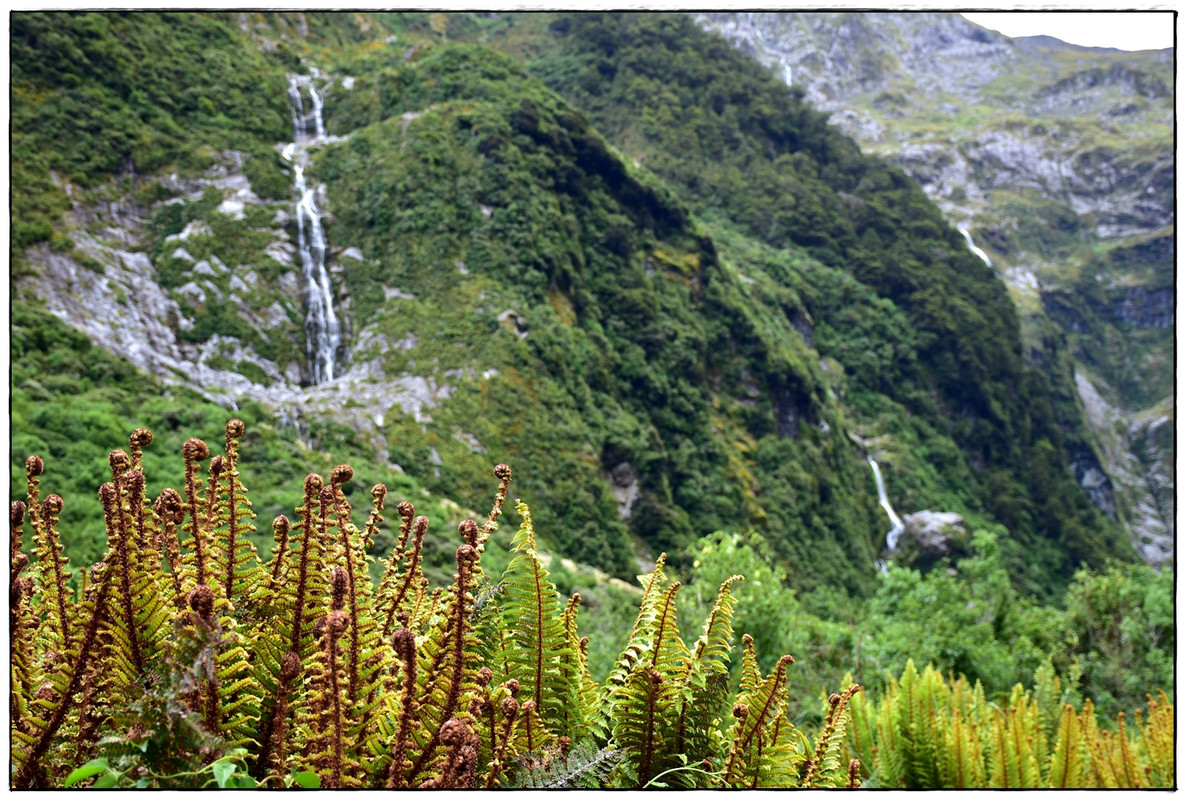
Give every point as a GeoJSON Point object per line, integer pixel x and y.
{"type": "Point", "coordinates": [931, 536]}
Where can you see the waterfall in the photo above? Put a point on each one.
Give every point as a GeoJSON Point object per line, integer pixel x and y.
{"type": "Point", "coordinates": [972, 246]}
{"type": "Point", "coordinates": [302, 120]}
{"type": "Point", "coordinates": [323, 333]}
{"type": "Point", "coordinates": [782, 61]}
{"type": "Point", "coordinates": [891, 538]}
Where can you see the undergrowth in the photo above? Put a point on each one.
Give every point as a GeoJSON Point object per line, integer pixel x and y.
{"type": "Point", "coordinates": [184, 659]}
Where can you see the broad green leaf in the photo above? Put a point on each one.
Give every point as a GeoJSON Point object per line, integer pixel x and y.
{"type": "Point", "coordinates": [107, 780]}
{"type": "Point", "coordinates": [222, 772]}
{"type": "Point", "coordinates": [86, 771]}
{"type": "Point", "coordinates": [308, 780]}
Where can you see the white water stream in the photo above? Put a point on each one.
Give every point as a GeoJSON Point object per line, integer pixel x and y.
{"type": "Point", "coordinates": [972, 246]}
{"type": "Point", "coordinates": [782, 61]}
{"type": "Point", "coordinates": [897, 526]}
{"type": "Point", "coordinates": [323, 332]}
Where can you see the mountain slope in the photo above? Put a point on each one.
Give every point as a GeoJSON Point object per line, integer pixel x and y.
{"type": "Point", "coordinates": [1058, 160]}
{"type": "Point", "coordinates": [717, 340]}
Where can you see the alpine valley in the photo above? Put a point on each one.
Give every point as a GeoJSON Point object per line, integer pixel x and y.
{"type": "Point", "coordinates": [698, 311]}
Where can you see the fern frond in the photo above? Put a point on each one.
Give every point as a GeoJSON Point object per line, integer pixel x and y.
{"type": "Point", "coordinates": [27, 767]}
{"type": "Point", "coordinates": [763, 752]}
{"type": "Point", "coordinates": [52, 576]}
{"type": "Point", "coordinates": [1157, 741]}
{"type": "Point", "coordinates": [640, 633]}
{"type": "Point", "coordinates": [585, 766]}
{"type": "Point", "coordinates": [21, 627]}
{"type": "Point", "coordinates": [537, 647]}
{"type": "Point", "coordinates": [825, 767]}
{"type": "Point", "coordinates": [1068, 761]}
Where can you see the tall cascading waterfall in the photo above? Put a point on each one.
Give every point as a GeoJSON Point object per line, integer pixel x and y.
{"type": "Point", "coordinates": [897, 526]}
{"type": "Point", "coordinates": [972, 246]}
{"type": "Point", "coordinates": [323, 332]}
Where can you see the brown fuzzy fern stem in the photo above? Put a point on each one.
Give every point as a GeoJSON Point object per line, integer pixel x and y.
{"type": "Point", "coordinates": [313, 484]}
{"type": "Point", "coordinates": [342, 474]}
{"type": "Point", "coordinates": [510, 712]}
{"type": "Point", "coordinates": [234, 431]}
{"type": "Point", "coordinates": [407, 514]}
{"type": "Point", "coordinates": [836, 706]}
{"type": "Point", "coordinates": [32, 766]}
{"type": "Point", "coordinates": [194, 451]}
{"type": "Point", "coordinates": [171, 512]}
{"type": "Point", "coordinates": [216, 469]}
{"type": "Point", "coordinates": [503, 473]}
{"type": "Point", "coordinates": [403, 641]}
{"type": "Point", "coordinates": [17, 519]}
{"type": "Point", "coordinates": [117, 533]}
{"type": "Point", "coordinates": [34, 467]}
{"type": "Point", "coordinates": [274, 731]}
{"type": "Point", "coordinates": [413, 562]}
{"type": "Point", "coordinates": [467, 558]}
{"type": "Point", "coordinates": [201, 602]}
{"type": "Point", "coordinates": [50, 509]}
{"type": "Point", "coordinates": [134, 480]}
{"type": "Point", "coordinates": [281, 527]}
{"type": "Point", "coordinates": [378, 495]}
{"type": "Point", "coordinates": [335, 626]}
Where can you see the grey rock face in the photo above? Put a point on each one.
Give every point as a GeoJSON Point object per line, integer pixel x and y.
{"type": "Point", "coordinates": [931, 536]}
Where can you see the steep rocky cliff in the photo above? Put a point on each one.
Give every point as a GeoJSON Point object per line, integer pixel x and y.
{"type": "Point", "coordinates": [1057, 163]}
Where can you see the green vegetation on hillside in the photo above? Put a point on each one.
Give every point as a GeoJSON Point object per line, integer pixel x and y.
{"type": "Point", "coordinates": [640, 349]}
{"type": "Point", "coordinates": [183, 659]}
{"type": "Point", "coordinates": [97, 94]}
{"type": "Point", "coordinates": [71, 398]}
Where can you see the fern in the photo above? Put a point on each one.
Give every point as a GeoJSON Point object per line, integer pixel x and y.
{"type": "Point", "coordinates": [184, 653]}
{"type": "Point", "coordinates": [584, 766]}
{"type": "Point", "coordinates": [536, 643]}
{"type": "Point", "coordinates": [764, 751]}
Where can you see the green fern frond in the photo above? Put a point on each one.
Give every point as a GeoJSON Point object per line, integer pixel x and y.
{"type": "Point", "coordinates": [537, 647]}
{"type": "Point", "coordinates": [764, 751]}
{"type": "Point", "coordinates": [585, 766]}
{"type": "Point", "coordinates": [1068, 761]}
{"type": "Point", "coordinates": [52, 576]}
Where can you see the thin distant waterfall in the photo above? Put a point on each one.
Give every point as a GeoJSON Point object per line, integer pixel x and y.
{"type": "Point", "coordinates": [972, 246]}
{"type": "Point", "coordinates": [782, 61]}
{"type": "Point", "coordinates": [891, 538]}
{"type": "Point", "coordinates": [323, 333]}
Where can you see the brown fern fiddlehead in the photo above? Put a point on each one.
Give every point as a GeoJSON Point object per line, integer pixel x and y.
{"type": "Point", "coordinates": [403, 641]}
{"type": "Point", "coordinates": [170, 513]}
{"type": "Point", "coordinates": [234, 431]}
{"type": "Point", "coordinates": [195, 451]}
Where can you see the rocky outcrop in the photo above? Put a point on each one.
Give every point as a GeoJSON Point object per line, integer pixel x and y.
{"type": "Point", "coordinates": [930, 537]}
{"type": "Point", "coordinates": [1145, 308]}
{"type": "Point", "coordinates": [109, 287]}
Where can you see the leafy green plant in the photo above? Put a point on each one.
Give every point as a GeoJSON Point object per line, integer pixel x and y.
{"type": "Point", "coordinates": [928, 732]}
{"type": "Point", "coordinates": [183, 659]}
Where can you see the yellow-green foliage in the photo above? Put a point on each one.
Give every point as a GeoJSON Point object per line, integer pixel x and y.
{"type": "Point", "coordinates": [930, 732]}
{"type": "Point", "coordinates": [183, 659]}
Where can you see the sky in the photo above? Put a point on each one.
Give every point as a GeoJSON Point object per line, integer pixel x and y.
{"type": "Point", "coordinates": [1124, 30]}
